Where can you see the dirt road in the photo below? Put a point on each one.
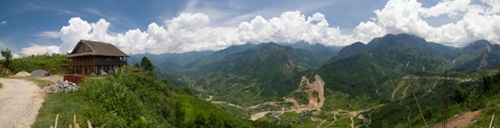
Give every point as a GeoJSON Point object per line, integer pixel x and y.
{"type": "Point", "coordinates": [462, 120]}
{"type": "Point", "coordinates": [20, 101]}
{"type": "Point", "coordinates": [259, 115]}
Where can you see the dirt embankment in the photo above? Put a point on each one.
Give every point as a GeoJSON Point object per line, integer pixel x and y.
{"type": "Point", "coordinates": [461, 121]}
{"type": "Point", "coordinates": [20, 101]}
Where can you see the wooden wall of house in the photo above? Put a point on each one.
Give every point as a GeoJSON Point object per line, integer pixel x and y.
{"type": "Point", "coordinates": [87, 65]}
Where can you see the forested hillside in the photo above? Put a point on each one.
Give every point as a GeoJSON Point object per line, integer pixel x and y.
{"type": "Point", "coordinates": [388, 74]}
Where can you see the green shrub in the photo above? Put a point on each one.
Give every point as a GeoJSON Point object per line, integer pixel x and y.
{"type": "Point", "coordinates": [50, 63]}
{"type": "Point", "coordinates": [135, 100]}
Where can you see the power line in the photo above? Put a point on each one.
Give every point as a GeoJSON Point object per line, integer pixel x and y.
{"type": "Point", "coordinates": [445, 101]}
{"type": "Point", "coordinates": [418, 104]}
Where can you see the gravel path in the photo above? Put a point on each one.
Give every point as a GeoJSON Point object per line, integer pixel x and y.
{"type": "Point", "coordinates": [20, 101]}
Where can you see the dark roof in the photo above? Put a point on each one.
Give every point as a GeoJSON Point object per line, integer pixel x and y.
{"type": "Point", "coordinates": [97, 49]}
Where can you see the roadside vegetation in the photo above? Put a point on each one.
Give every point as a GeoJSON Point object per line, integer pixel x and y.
{"type": "Point", "coordinates": [486, 98]}
{"type": "Point", "coordinates": [50, 62]}
{"type": "Point", "coordinates": [40, 83]}
{"type": "Point", "coordinates": [134, 100]}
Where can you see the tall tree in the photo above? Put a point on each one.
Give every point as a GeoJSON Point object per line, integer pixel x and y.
{"type": "Point", "coordinates": [8, 56]}
{"type": "Point", "coordinates": [146, 64]}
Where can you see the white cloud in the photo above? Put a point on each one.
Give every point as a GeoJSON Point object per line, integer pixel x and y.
{"type": "Point", "coordinates": [3, 22]}
{"type": "Point", "coordinates": [495, 5]}
{"type": "Point", "coordinates": [450, 7]}
{"type": "Point", "coordinates": [71, 34]}
{"type": "Point", "coordinates": [192, 32]}
{"type": "Point", "coordinates": [38, 50]}
{"type": "Point", "coordinates": [15, 55]}
{"type": "Point", "coordinates": [49, 34]}
{"type": "Point", "coordinates": [366, 31]}
{"type": "Point", "coordinates": [195, 32]}
{"type": "Point", "coordinates": [292, 27]}
{"type": "Point", "coordinates": [406, 16]}
{"type": "Point", "coordinates": [187, 22]}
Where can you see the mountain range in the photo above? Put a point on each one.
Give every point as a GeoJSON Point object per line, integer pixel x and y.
{"type": "Point", "coordinates": [357, 76]}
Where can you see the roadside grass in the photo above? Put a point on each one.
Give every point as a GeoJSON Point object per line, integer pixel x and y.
{"type": "Point", "coordinates": [64, 104]}
{"type": "Point", "coordinates": [1, 85]}
{"type": "Point", "coordinates": [491, 108]}
{"type": "Point", "coordinates": [40, 83]}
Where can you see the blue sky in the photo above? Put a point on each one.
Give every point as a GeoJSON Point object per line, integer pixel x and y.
{"type": "Point", "coordinates": [161, 26]}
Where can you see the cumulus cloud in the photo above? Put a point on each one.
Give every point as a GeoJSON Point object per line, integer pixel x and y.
{"type": "Point", "coordinates": [195, 32]}
{"type": "Point", "coordinates": [449, 7]}
{"type": "Point", "coordinates": [192, 32]}
{"type": "Point", "coordinates": [38, 50]}
{"type": "Point", "coordinates": [494, 4]}
{"type": "Point", "coordinates": [292, 27]}
{"type": "Point", "coordinates": [15, 56]}
{"type": "Point", "coordinates": [406, 16]}
{"type": "Point", "coordinates": [71, 34]}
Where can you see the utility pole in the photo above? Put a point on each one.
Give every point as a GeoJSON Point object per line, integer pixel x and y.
{"type": "Point", "coordinates": [445, 100]}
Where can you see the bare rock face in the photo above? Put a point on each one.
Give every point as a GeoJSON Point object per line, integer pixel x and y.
{"type": "Point", "coordinates": [309, 88]}
{"type": "Point", "coordinates": [484, 60]}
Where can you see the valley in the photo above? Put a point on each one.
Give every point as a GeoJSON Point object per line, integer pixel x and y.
{"type": "Point", "coordinates": [362, 84]}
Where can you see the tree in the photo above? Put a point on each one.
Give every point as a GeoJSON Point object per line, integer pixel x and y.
{"type": "Point", "coordinates": [460, 94]}
{"type": "Point", "coordinates": [137, 65]}
{"type": "Point", "coordinates": [146, 64]}
{"type": "Point", "coordinates": [8, 56]}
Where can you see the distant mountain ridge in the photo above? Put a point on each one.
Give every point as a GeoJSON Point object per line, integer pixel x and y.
{"type": "Point", "coordinates": [265, 67]}
{"type": "Point", "coordinates": [400, 41]}
{"type": "Point", "coordinates": [170, 59]}
{"type": "Point", "coordinates": [393, 56]}
{"type": "Point", "coordinates": [260, 70]}
{"type": "Point", "coordinates": [379, 73]}
{"type": "Point", "coordinates": [478, 55]}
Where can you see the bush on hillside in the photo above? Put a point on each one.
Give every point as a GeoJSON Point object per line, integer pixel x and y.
{"type": "Point", "coordinates": [142, 100]}
{"type": "Point", "coordinates": [136, 100]}
{"type": "Point", "coordinates": [50, 63]}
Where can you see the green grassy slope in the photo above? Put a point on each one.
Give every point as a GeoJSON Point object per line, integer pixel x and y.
{"type": "Point", "coordinates": [133, 100]}
{"type": "Point", "coordinates": [255, 76]}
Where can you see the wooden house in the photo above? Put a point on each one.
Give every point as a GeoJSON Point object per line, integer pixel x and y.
{"type": "Point", "coordinates": [93, 57]}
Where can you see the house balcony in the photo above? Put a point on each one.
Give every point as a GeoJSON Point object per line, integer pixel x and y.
{"type": "Point", "coordinates": [97, 62]}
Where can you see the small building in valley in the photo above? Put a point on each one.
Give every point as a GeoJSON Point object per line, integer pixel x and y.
{"type": "Point", "coordinates": [93, 57]}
